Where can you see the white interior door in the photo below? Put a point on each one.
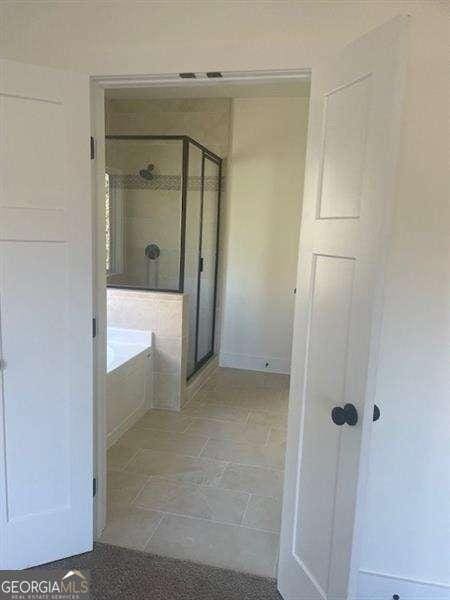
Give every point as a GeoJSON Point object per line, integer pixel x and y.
{"type": "Point", "coordinates": [349, 187]}
{"type": "Point", "coordinates": [45, 315]}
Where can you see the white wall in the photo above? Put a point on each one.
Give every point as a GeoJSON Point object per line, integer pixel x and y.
{"type": "Point", "coordinates": [263, 210]}
{"type": "Point", "coordinates": [408, 513]}
{"type": "Point", "coordinates": [207, 120]}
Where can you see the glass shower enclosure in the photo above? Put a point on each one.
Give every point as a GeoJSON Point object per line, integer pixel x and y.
{"type": "Point", "coordinates": [162, 227]}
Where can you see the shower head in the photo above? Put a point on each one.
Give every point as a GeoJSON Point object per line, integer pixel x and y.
{"type": "Point", "coordinates": [147, 172]}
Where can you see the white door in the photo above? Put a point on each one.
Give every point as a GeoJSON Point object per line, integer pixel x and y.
{"type": "Point", "coordinates": [349, 188]}
{"type": "Point", "coordinates": [45, 315]}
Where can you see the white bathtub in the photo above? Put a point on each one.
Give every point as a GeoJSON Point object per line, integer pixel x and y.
{"type": "Point", "coordinates": [129, 387]}
{"type": "Point", "coordinates": [125, 344]}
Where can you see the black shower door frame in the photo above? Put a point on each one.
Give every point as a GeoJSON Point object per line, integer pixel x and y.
{"type": "Point", "coordinates": [209, 155]}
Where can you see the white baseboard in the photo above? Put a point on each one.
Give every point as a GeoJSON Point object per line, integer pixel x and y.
{"type": "Point", "coordinates": [255, 363]}
{"type": "Point", "coordinates": [199, 379]}
{"type": "Point", "coordinates": [383, 586]}
{"type": "Point", "coordinates": [126, 424]}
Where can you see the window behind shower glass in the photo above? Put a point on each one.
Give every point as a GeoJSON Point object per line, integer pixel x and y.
{"type": "Point", "coordinates": [143, 196]}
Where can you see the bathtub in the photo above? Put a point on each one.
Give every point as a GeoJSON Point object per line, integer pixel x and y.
{"type": "Point", "coordinates": [129, 380]}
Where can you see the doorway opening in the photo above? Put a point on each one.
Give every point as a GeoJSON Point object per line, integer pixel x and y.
{"type": "Point", "coordinates": [203, 188]}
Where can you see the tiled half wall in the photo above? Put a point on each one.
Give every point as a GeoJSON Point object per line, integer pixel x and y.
{"type": "Point", "coordinates": [164, 314]}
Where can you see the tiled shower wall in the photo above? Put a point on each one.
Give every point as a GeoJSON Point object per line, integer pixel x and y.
{"type": "Point", "coordinates": [152, 209]}
{"type": "Point", "coordinates": [166, 316]}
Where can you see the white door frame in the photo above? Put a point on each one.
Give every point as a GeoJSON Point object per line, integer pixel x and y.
{"type": "Point", "coordinates": [98, 85]}
{"type": "Point", "coordinates": [99, 306]}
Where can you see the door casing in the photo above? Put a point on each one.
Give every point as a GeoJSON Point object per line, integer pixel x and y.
{"type": "Point", "coordinates": [98, 84]}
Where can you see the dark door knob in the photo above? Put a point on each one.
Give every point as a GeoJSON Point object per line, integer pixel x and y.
{"type": "Point", "coordinates": [376, 412]}
{"type": "Point", "coordinates": [348, 415]}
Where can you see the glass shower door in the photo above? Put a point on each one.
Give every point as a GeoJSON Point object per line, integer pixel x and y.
{"type": "Point", "coordinates": [192, 248]}
{"type": "Point", "coordinates": [144, 208]}
{"type": "Point", "coordinates": [208, 258]}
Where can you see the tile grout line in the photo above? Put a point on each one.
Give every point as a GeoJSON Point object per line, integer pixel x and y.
{"type": "Point", "coordinates": [217, 485]}
{"type": "Point", "coordinates": [203, 448]}
{"type": "Point", "coordinates": [230, 441]}
{"type": "Point", "coordinates": [154, 531]}
{"type": "Point", "coordinates": [156, 428]}
{"type": "Point", "coordinates": [215, 521]}
{"type": "Point", "coordinates": [128, 462]}
{"type": "Point", "coordinates": [191, 456]}
{"type": "Point", "coordinates": [220, 461]}
{"type": "Point", "coordinates": [208, 485]}
{"type": "Point", "coordinates": [141, 489]}
{"type": "Point", "coordinates": [187, 426]}
{"type": "Point", "coordinates": [155, 449]}
{"type": "Point", "coordinates": [244, 514]}
{"type": "Point", "coordinates": [221, 420]}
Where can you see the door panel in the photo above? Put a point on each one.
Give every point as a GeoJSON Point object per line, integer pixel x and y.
{"type": "Point", "coordinates": [210, 215]}
{"type": "Point", "coordinates": [349, 186]}
{"type": "Point", "coordinates": [192, 248]}
{"type": "Point", "coordinates": [332, 283]}
{"type": "Point", "coordinates": [45, 316]}
{"type": "Point", "coordinates": [23, 278]}
{"type": "Point", "coordinates": [33, 159]}
{"type": "Point", "coordinates": [343, 157]}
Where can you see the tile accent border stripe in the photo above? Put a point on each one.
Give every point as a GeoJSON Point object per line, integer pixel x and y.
{"type": "Point", "coordinates": [163, 182]}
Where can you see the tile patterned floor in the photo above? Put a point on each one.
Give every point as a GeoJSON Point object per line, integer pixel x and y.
{"type": "Point", "coordinates": [205, 484]}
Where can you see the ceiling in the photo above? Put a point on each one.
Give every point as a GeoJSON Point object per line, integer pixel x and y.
{"type": "Point", "coordinates": [215, 90]}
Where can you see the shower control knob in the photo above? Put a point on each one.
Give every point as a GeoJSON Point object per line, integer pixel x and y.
{"type": "Point", "coordinates": [348, 415]}
{"type": "Point", "coordinates": [152, 251]}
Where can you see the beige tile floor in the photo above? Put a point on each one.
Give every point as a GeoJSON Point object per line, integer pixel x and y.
{"type": "Point", "coordinates": [205, 484]}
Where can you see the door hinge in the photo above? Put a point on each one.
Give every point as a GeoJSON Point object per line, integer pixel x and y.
{"type": "Point", "coordinates": [94, 327]}
{"type": "Point", "coordinates": [201, 264]}
{"type": "Point", "coordinates": [92, 148]}
{"type": "Point", "coordinates": [94, 487]}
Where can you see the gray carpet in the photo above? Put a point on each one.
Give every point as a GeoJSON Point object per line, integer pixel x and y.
{"type": "Point", "coordinates": [119, 573]}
